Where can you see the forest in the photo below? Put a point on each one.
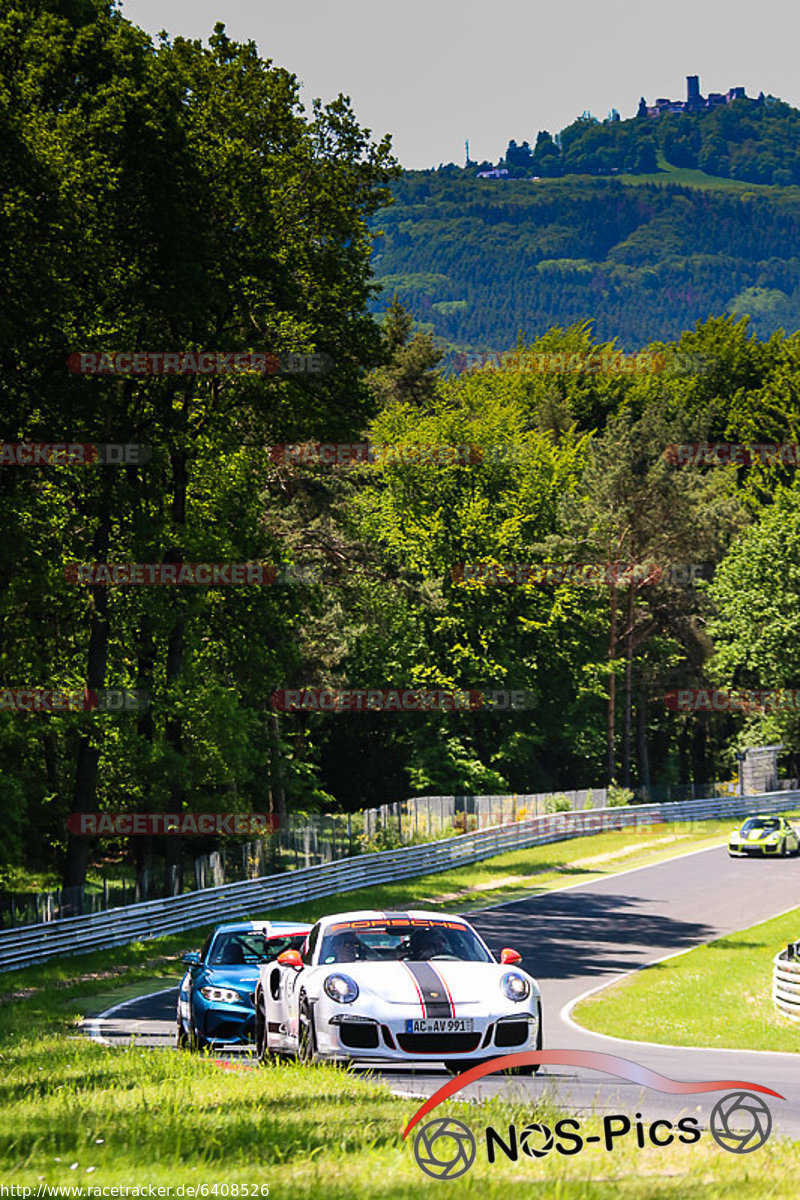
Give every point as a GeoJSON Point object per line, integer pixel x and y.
{"type": "Point", "coordinates": [480, 261]}
{"type": "Point", "coordinates": [171, 198]}
{"type": "Point", "coordinates": [755, 141]}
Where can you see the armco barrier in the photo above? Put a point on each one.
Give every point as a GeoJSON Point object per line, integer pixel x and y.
{"type": "Point", "coordinates": [255, 897]}
{"type": "Point", "coordinates": [786, 985]}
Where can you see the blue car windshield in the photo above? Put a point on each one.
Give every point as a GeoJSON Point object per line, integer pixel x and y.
{"type": "Point", "coordinates": [249, 948]}
{"type": "Point", "coordinates": [380, 941]}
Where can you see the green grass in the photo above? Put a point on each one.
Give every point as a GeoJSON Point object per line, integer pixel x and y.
{"type": "Point", "coordinates": [669, 1002]}
{"type": "Point", "coordinates": [76, 1113]}
{"type": "Point", "coordinates": [688, 177]}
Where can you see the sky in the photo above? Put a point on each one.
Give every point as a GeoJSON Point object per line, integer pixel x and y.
{"type": "Point", "coordinates": [435, 72]}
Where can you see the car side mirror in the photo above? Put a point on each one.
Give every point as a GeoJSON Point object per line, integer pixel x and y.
{"type": "Point", "coordinates": [508, 957]}
{"type": "Point", "coordinates": [191, 958]}
{"type": "Point", "coordinates": [290, 958]}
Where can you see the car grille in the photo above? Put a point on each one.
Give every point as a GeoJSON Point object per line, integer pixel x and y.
{"type": "Point", "coordinates": [438, 1043]}
{"type": "Point", "coordinates": [511, 1033]}
{"type": "Point", "coordinates": [357, 1035]}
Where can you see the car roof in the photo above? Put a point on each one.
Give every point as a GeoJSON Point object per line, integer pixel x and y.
{"type": "Point", "coordinates": [270, 928]}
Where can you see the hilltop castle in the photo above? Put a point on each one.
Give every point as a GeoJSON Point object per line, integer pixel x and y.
{"type": "Point", "coordinates": [694, 102]}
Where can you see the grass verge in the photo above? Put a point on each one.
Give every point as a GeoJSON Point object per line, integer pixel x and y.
{"type": "Point", "coordinates": [77, 1114]}
{"type": "Point", "coordinates": [669, 1002]}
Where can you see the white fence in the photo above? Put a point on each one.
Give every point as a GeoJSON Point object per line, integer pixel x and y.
{"type": "Point", "coordinates": [256, 897]}
{"type": "Point", "coordinates": [786, 985]}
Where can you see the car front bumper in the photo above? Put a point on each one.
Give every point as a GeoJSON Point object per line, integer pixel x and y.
{"type": "Point", "coordinates": [351, 1036]}
{"type": "Point", "coordinates": [233, 1024]}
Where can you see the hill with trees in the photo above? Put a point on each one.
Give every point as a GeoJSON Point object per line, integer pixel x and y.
{"type": "Point", "coordinates": [481, 261]}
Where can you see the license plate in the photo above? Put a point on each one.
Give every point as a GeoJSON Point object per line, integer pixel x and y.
{"type": "Point", "coordinates": [440, 1025]}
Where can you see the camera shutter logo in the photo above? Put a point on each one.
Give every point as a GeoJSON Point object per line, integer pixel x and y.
{"type": "Point", "coordinates": [740, 1122]}
{"type": "Point", "coordinates": [536, 1140]}
{"type": "Point", "coordinates": [444, 1148]}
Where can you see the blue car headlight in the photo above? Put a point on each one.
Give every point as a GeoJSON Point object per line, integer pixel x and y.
{"type": "Point", "coordinates": [341, 988]}
{"type": "Point", "coordinates": [514, 986]}
{"type": "Point", "coordinates": [220, 995]}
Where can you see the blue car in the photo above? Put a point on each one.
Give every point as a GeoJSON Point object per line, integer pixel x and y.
{"type": "Point", "coordinates": [215, 998]}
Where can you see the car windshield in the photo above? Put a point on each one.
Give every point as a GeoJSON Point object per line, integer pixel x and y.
{"type": "Point", "coordinates": [414, 941]}
{"type": "Point", "coordinates": [761, 823]}
{"type": "Point", "coordinates": [251, 947]}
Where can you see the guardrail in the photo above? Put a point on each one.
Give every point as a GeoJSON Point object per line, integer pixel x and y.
{"type": "Point", "coordinates": [155, 918]}
{"type": "Point", "coordinates": [786, 985]}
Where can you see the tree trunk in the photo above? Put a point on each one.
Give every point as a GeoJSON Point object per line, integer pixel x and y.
{"type": "Point", "coordinates": [612, 686]}
{"type": "Point", "coordinates": [643, 757]}
{"type": "Point", "coordinates": [276, 771]}
{"type": "Point", "coordinates": [173, 728]}
{"type": "Point", "coordinates": [626, 727]}
{"type": "Point", "coordinates": [90, 744]}
{"type": "Point", "coordinates": [145, 729]}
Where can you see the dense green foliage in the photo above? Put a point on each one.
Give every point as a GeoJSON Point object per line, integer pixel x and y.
{"type": "Point", "coordinates": [478, 260]}
{"type": "Point", "coordinates": [175, 197]}
{"type": "Point", "coordinates": [752, 140]}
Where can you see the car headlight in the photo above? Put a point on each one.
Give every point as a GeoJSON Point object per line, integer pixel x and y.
{"type": "Point", "coordinates": [514, 986]}
{"type": "Point", "coordinates": [219, 995]}
{"type": "Point", "coordinates": [341, 988]}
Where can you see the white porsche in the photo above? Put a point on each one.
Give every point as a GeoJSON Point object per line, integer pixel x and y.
{"type": "Point", "coordinates": [396, 986]}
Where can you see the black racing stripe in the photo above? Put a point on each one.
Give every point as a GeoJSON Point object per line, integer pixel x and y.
{"type": "Point", "coordinates": [397, 916]}
{"type": "Point", "coordinates": [434, 993]}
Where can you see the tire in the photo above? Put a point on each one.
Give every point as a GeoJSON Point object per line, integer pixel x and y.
{"type": "Point", "coordinates": [531, 1068]}
{"type": "Point", "coordinates": [459, 1066]}
{"type": "Point", "coordinates": [197, 1041]}
{"type": "Point", "coordinates": [262, 1038]}
{"type": "Point", "coordinates": [181, 1036]}
{"type": "Point", "coordinates": [306, 1038]}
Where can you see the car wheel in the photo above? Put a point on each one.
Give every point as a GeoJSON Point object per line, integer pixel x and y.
{"type": "Point", "coordinates": [197, 1041]}
{"type": "Point", "coordinates": [530, 1068]}
{"type": "Point", "coordinates": [262, 1039]}
{"type": "Point", "coordinates": [181, 1036]}
{"type": "Point", "coordinates": [306, 1040]}
{"type": "Point", "coordinates": [459, 1066]}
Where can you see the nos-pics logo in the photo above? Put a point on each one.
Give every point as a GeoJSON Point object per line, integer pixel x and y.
{"type": "Point", "coordinates": [446, 1148]}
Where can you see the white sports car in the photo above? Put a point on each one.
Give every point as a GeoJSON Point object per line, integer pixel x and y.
{"type": "Point", "coordinates": [396, 986]}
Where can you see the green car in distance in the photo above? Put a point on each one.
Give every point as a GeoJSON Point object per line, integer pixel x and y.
{"type": "Point", "coordinates": [764, 836]}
